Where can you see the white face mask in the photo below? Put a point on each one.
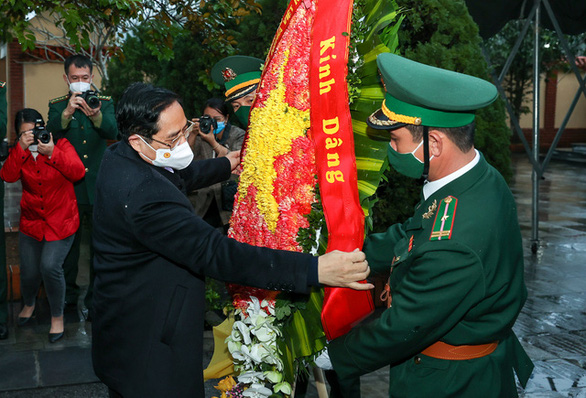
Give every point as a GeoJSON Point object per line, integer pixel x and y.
{"type": "Point", "coordinates": [79, 87]}
{"type": "Point", "coordinates": [177, 158]}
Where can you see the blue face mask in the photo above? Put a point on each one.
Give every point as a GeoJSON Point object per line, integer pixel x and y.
{"type": "Point", "coordinates": [220, 128]}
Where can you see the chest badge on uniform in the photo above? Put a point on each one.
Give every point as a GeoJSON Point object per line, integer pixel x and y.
{"type": "Point", "coordinates": [427, 215]}
{"type": "Point", "coordinates": [444, 219]}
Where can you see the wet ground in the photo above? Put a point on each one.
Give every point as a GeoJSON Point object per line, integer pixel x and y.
{"type": "Point", "coordinates": [552, 325]}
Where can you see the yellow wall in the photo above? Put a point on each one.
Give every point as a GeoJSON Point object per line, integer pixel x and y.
{"type": "Point", "coordinates": [567, 87]}
{"type": "Point", "coordinates": [43, 82]}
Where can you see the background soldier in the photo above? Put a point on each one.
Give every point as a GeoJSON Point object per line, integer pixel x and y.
{"type": "Point", "coordinates": [87, 120]}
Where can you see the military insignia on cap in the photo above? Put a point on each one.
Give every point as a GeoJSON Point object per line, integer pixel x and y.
{"type": "Point", "coordinates": [167, 155]}
{"type": "Point", "coordinates": [228, 74]}
{"type": "Point", "coordinates": [444, 219]}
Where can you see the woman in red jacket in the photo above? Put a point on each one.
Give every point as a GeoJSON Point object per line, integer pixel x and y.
{"type": "Point", "coordinates": [48, 216]}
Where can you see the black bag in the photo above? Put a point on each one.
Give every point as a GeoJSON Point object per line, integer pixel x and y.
{"type": "Point", "coordinates": [229, 189]}
{"type": "Point", "coordinates": [3, 150]}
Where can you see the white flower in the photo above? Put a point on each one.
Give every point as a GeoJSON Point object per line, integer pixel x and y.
{"type": "Point", "coordinates": [234, 346]}
{"type": "Point", "coordinates": [244, 331]}
{"type": "Point", "coordinates": [250, 377]}
{"type": "Point", "coordinates": [257, 390]}
{"type": "Point", "coordinates": [271, 307]}
{"type": "Point", "coordinates": [253, 345]}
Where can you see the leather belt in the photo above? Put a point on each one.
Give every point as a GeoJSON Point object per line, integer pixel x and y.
{"type": "Point", "coordinates": [443, 350]}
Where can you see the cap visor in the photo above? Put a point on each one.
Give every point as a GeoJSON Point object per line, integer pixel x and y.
{"type": "Point", "coordinates": [242, 92]}
{"type": "Point", "coordinates": [379, 121]}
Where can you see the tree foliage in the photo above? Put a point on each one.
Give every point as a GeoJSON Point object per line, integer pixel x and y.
{"type": "Point", "coordinates": [518, 82]}
{"type": "Point", "coordinates": [195, 52]}
{"type": "Point", "coordinates": [441, 33]}
{"type": "Point", "coordinates": [98, 27]}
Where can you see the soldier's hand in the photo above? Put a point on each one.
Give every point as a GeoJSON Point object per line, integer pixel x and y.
{"type": "Point", "coordinates": [344, 269]}
{"type": "Point", "coordinates": [87, 110]}
{"type": "Point", "coordinates": [73, 104]}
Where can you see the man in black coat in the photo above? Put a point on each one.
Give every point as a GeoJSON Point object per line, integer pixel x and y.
{"type": "Point", "coordinates": [152, 254]}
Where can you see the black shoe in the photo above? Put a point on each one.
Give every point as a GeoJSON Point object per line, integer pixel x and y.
{"type": "Point", "coordinates": [53, 337]}
{"type": "Point", "coordinates": [23, 321]}
{"type": "Point", "coordinates": [3, 331]}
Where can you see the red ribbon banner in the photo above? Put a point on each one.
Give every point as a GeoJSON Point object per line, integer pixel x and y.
{"type": "Point", "coordinates": [336, 163]}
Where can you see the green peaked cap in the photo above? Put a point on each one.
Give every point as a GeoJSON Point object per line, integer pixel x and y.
{"type": "Point", "coordinates": [239, 75]}
{"type": "Point", "coordinates": [425, 95]}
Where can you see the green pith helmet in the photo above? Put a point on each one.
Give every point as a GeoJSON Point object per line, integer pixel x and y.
{"type": "Point", "coordinates": [424, 95]}
{"type": "Point", "coordinates": [239, 75]}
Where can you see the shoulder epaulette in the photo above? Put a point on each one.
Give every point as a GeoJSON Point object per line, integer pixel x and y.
{"type": "Point", "coordinates": [444, 219]}
{"type": "Point", "coordinates": [2, 84]}
{"type": "Point", "coordinates": [105, 97]}
{"type": "Point", "coordinates": [59, 99]}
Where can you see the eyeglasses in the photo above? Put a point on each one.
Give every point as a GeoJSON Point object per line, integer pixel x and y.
{"type": "Point", "coordinates": [183, 133]}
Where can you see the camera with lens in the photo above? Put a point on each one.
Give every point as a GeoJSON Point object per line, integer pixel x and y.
{"type": "Point", "coordinates": [207, 124]}
{"type": "Point", "coordinates": [91, 98]}
{"type": "Point", "coordinates": [40, 133]}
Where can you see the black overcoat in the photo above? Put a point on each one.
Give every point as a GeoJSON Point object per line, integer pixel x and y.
{"type": "Point", "coordinates": [152, 254]}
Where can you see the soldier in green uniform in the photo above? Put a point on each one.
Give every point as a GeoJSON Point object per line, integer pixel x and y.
{"type": "Point", "coordinates": [87, 122]}
{"type": "Point", "coordinates": [456, 266]}
{"type": "Point", "coordinates": [240, 76]}
{"type": "Point", "coordinates": [3, 276]}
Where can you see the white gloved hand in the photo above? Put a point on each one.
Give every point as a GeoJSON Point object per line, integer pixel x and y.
{"type": "Point", "coordinates": [323, 360]}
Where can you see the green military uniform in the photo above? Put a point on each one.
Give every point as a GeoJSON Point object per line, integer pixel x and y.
{"type": "Point", "coordinates": [3, 277]}
{"type": "Point", "coordinates": [456, 266]}
{"type": "Point", "coordinates": [88, 137]}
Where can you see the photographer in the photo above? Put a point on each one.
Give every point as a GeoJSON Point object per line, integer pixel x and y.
{"type": "Point", "coordinates": [87, 120]}
{"type": "Point", "coordinates": [215, 138]}
{"type": "Point", "coordinates": [48, 214]}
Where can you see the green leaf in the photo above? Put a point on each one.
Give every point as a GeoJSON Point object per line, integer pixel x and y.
{"type": "Point", "coordinates": [370, 145]}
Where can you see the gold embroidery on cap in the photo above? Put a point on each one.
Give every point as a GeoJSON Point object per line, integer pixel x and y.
{"type": "Point", "coordinates": [241, 85]}
{"type": "Point", "coordinates": [400, 118]}
{"type": "Point", "coordinates": [372, 119]}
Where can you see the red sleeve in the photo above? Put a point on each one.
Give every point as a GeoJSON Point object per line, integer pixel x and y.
{"type": "Point", "coordinates": [66, 161]}
{"type": "Point", "coordinates": [10, 171]}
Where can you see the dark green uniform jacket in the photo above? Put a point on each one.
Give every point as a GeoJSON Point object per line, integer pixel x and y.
{"type": "Point", "coordinates": [463, 285]}
{"type": "Point", "coordinates": [88, 140]}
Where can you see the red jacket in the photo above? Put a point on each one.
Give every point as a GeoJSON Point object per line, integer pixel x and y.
{"type": "Point", "coordinates": [48, 208]}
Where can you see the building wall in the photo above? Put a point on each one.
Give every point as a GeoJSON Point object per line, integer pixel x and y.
{"type": "Point", "coordinates": [567, 87]}
{"type": "Point", "coordinates": [43, 82]}
{"type": "Point", "coordinates": [557, 94]}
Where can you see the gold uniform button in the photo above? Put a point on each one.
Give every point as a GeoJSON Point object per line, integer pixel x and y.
{"type": "Point", "coordinates": [85, 156]}
{"type": "Point", "coordinates": [85, 141]}
{"type": "Point", "coordinates": [417, 360]}
{"type": "Point", "coordinates": [81, 127]}
{"type": "Point", "coordinates": [86, 169]}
